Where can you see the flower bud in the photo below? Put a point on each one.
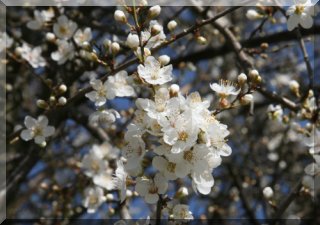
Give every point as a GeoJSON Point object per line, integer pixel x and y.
{"type": "Point", "coordinates": [224, 103]}
{"type": "Point", "coordinates": [254, 75]}
{"type": "Point", "coordinates": [86, 45]}
{"type": "Point", "coordinates": [174, 90]}
{"type": "Point", "coordinates": [52, 99]}
{"type": "Point", "coordinates": [253, 14]}
{"type": "Point", "coordinates": [109, 197]}
{"type": "Point", "coordinates": [267, 192]}
{"type": "Point", "coordinates": [201, 40]}
{"type": "Point", "coordinates": [18, 51]}
{"type": "Point", "coordinates": [154, 11]}
{"type": "Point", "coordinates": [172, 25]}
{"type": "Point", "coordinates": [42, 104]}
{"type": "Point", "coordinates": [132, 41]}
{"type": "Point", "coordinates": [182, 192]}
{"type": "Point", "coordinates": [164, 60]}
{"type": "Point", "coordinates": [62, 88]}
{"type": "Point", "coordinates": [155, 29]}
{"type": "Point", "coordinates": [242, 79]}
{"type": "Point", "coordinates": [294, 86]}
{"type": "Point", "coordinates": [120, 16]}
{"type": "Point", "coordinates": [115, 48]}
{"type": "Point", "coordinates": [246, 99]}
{"type": "Point", "coordinates": [43, 144]}
{"type": "Point", "coordinates": [106, 43]}
{"type": "Point", "coordinates": [62, 101]}
{"type": "Point", "coordinates": [50, 37]}
{"type": "Point", "coordinates": [264, 45]}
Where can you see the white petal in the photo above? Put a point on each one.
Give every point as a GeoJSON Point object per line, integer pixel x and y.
{"type": "Point", "coordinates": [151, 198]}
{"type": "Point", "coordinates": [39, 139]}
{"type": "Point", "coordinates": [43, 121]}
{"type": "Point", "coordinates": [48, 131]}
{"type": "Point", "coordinates": [306, 21]}
{"type": "Point", "coordinates": [26, 135]}
{"type": "Point", "coordinates": [292, 22]}
{"type": "Point", "coordinates": [92, 95]}
{"type": "Point", "coordinates": [29, 122]}
{"type": "Point", "coordinates": [159, 163]}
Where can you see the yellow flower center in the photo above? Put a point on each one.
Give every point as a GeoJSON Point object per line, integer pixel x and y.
{"type": "Point", "coordinates": [153, 189]}
{"type": "Point", "coordinates": [171, 167]}
{"type": "Point", "coordinates": [299, 9]}
{"type": "Point", "coordinates": [183, 136]}
{"type": "Point", "coordinates": [188, 156]}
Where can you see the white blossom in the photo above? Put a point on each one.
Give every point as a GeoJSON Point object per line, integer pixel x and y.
{"type": "Point", "coordinates": [97, 168]}
{"type": "Point", "coordinates": [119, 85]}
{"type": "Point", "coordinates": [94, 198]}
{"type": "Point", "coordinates": [300, 14]}
{"type": "Point", "coordinates": [83, 36]}
{"type": "Point", "coordinates": [65, 52]}
{"type": "Point", "coordinates": [64, 28]}
{"type": "Point", "coordinates": [40, 19]}
{"type": "Point", "coordinates": [120, 179]}
{"type": "Point", "coordinates": [37, 129]}
{"type": "Point", "coordinates": [182, 212]}
{"type": "Point", "coordinates": [32, 55]}
{"type": "Point", "coordinates": [151, 188]}
{"type": "Point", "coordinates": [224, 88]}
{"type": "Point", "coordinates": [134, 152]}
{"type": "Point", "coordinates": [153, 73]}
{"type": "Point", "coordinates": [104, 117]}
{"type": "Point", "coordinates": [181, 134]}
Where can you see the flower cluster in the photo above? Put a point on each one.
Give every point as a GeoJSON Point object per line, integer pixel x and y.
{"type": "Point", "coordinates": [96, 166]}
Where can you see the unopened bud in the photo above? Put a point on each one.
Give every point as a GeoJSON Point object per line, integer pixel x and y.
{"type": "Point", "coordinates": [155, 29]}
{"type": "Point", "coordinates": [62, 88]}
{"type": "Point", "coordinates": [182, 192]}
{"type": "Point", "coordinates": [120, 16]}
{"type": "Point", "coordinates": [242, 79]}
{"type": "Point", "coordinates": [224, 103]}
{"type": "Point", "coordinates": [110, 197]}
{"type": "Point", "coordinates": [246, 99]}
{"type": "Point", "coordinates": [42, 104]}
{"type": "Point", "coordinates": [52, 99]}
{"type": "Point", "coordinates": [106, 43]}
{"type": "Point", "coordinates": [253, 74]}
{"type": "Point", "coordinates": [86, 45]}
{"type": "Point", "coordinates": [50, 37]}
{"type": "Point", "coordinates": [62, 101]}
{"type": "Point", "coordinates": [201, 40]}
{"type": "Point", "coordinates": [115, 48]}
{"type": "Point", "coordinates": [294, 86]}
{"type": "Point", "coordinates": [174, 90]}
{"type": "Point", "coordinates": [43, 144]}
{"type": "Point", "coordinates": [264, 46]}
{"type": "Point", "coordinates": [164, 60]}
{"type": "Point", "coordinates": [154, 11]}
{"type": "Point", "coordinates": [253, 14]}
{"type": "Point", "coordinates": [268, 192]}
{"type": "Point", "coordinates": [132, 41]}
{"type": "Point", "coordinates": [172, 25]}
